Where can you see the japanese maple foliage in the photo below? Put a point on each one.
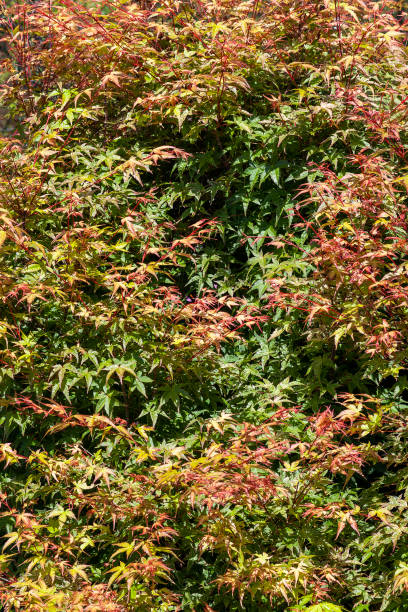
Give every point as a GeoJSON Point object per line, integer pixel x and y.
{"type": "Point", "coordinates": [203, 247]}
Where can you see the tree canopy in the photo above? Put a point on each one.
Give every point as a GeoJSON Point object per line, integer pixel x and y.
{"type": "Point", "coordinates": [203, 306]}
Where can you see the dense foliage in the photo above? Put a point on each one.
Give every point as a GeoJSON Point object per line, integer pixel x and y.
{"type": "Point", "coordinates": [204, 292]}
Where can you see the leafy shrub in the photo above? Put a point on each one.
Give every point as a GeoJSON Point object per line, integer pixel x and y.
{"type": "Point", "coordinates": [203, 304]}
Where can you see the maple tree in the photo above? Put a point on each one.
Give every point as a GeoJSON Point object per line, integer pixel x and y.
{"type": "Point", "coordinates": [203, 246]}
